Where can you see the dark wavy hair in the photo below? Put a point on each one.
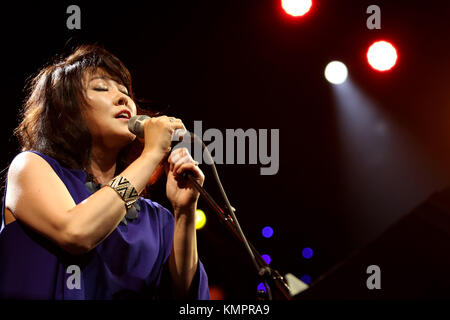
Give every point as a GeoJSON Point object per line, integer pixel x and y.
{"type": "Point", "coordinates": [51, 117]}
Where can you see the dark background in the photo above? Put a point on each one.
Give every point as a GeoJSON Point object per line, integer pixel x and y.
{"type": "Point", "coordinates": [246, 64]}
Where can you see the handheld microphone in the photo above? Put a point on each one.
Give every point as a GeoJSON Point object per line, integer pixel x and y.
{"type": "Point", "coordinates": [136, 126]}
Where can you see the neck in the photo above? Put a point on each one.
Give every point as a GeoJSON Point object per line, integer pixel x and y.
{"type": "Point", "coordinates": [103, 164]}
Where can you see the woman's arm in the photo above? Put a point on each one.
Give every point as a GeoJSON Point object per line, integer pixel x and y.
{"type": "Point", "coordinates": [37, 197]}
{"type": "Point", "coordinates": [183, 259]}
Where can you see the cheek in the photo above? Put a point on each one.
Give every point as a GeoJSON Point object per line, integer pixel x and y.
{"type": "Point", "coordinates": [133, 107]}
{"type": "Point", "coordinates": [92, 116]}
{"type": "Point", "coordinates": [90, 121]}
{"type": "Point", "coordinates": [96, 101]}
{"type": "Point", "coordinates": [97, 108]}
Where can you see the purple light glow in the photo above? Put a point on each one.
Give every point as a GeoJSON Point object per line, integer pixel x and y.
{"type": "Point", "coordinates": [266, 258]}
{"type": "Point", "coordinates": [267, 232]}
{"type": "Point", "coordinates": [307, 253]}
{"type": "Point", "coordinates": [306, 278]}
{"type": "Point", "coordinates": [261, 287]}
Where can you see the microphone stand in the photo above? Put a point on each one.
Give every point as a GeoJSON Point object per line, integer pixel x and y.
{"type": "Point", "coordinates": [266, 272]}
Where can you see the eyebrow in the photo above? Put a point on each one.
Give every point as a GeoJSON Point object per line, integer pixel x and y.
{"type": "Point", "coordinates": [104, 78]}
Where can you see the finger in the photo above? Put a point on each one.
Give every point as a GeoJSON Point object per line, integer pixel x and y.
{"type": "Point", "coordinates": [172, 122]}
{"type": "Point", "coordinates": [183, 160]}
{"type": "Point", "coordinates": [179, 152]}
{"type": "Point", "coordinates": [173, 158]}
{"type": "Point", "coordinates": [184, 153]}
{"type": "Point", "coordinates": [175, 123]}
{"type": "Point", "coordinates": [180, 162]}
{"type": "Point", "coordinates": [192, 167]}
{"type": "Point", "coordinates": [176, 155]}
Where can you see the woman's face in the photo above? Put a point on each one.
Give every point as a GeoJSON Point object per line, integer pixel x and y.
{"type": "Point", "coordinates": [108, 111]}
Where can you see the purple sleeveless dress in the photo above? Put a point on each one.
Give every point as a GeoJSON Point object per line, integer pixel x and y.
{"type": "Point", "coordinates": [131, 263]}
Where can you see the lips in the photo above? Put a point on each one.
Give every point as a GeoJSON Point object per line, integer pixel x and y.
{"type": "Point", "coordinates": [123, 114]}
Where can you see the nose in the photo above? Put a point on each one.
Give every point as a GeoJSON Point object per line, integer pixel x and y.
{"type": "Point", "coordinates": [122, 99]}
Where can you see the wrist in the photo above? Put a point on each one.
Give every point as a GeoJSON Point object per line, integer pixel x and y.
{"type": "Point", "coordinates": [152, 157]}
{"type": "Point", "coordinates": [185, 214]}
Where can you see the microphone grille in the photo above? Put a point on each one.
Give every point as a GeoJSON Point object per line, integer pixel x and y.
{"type": "Point", "coordinates": [135, 124]}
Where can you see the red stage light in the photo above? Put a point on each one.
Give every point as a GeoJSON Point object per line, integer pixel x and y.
{"type": "Point", "coordinates": [296, 8]}
{"type": "Point", "coordinates": [216, 293]}
{"type": "Point", "coordinates": [382, 55]}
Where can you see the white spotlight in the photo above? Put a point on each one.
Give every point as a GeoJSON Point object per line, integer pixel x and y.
{"type": "Point", "coordinates": [296, 8]}
{"type": "Point", "coordinates": [382, 55]}
{"type": "Point", "coordinates": [336, 72]}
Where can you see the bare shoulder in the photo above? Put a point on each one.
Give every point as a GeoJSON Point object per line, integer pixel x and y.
{"type": "Point", "coordinates": [31, 179]}
{"type": "Point", "coordinates": [26, 162]}
{"type": "Point", "coordinates": [26, 172]}
{"type": "Point", "coordinates": [38, 197]}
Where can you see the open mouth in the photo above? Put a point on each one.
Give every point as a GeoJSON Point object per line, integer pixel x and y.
{"type": "Point", "coordinates": [123, 114]}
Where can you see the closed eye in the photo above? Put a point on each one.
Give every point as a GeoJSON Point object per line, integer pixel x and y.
{"type": "Point", "coordinates": [106, 89]}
